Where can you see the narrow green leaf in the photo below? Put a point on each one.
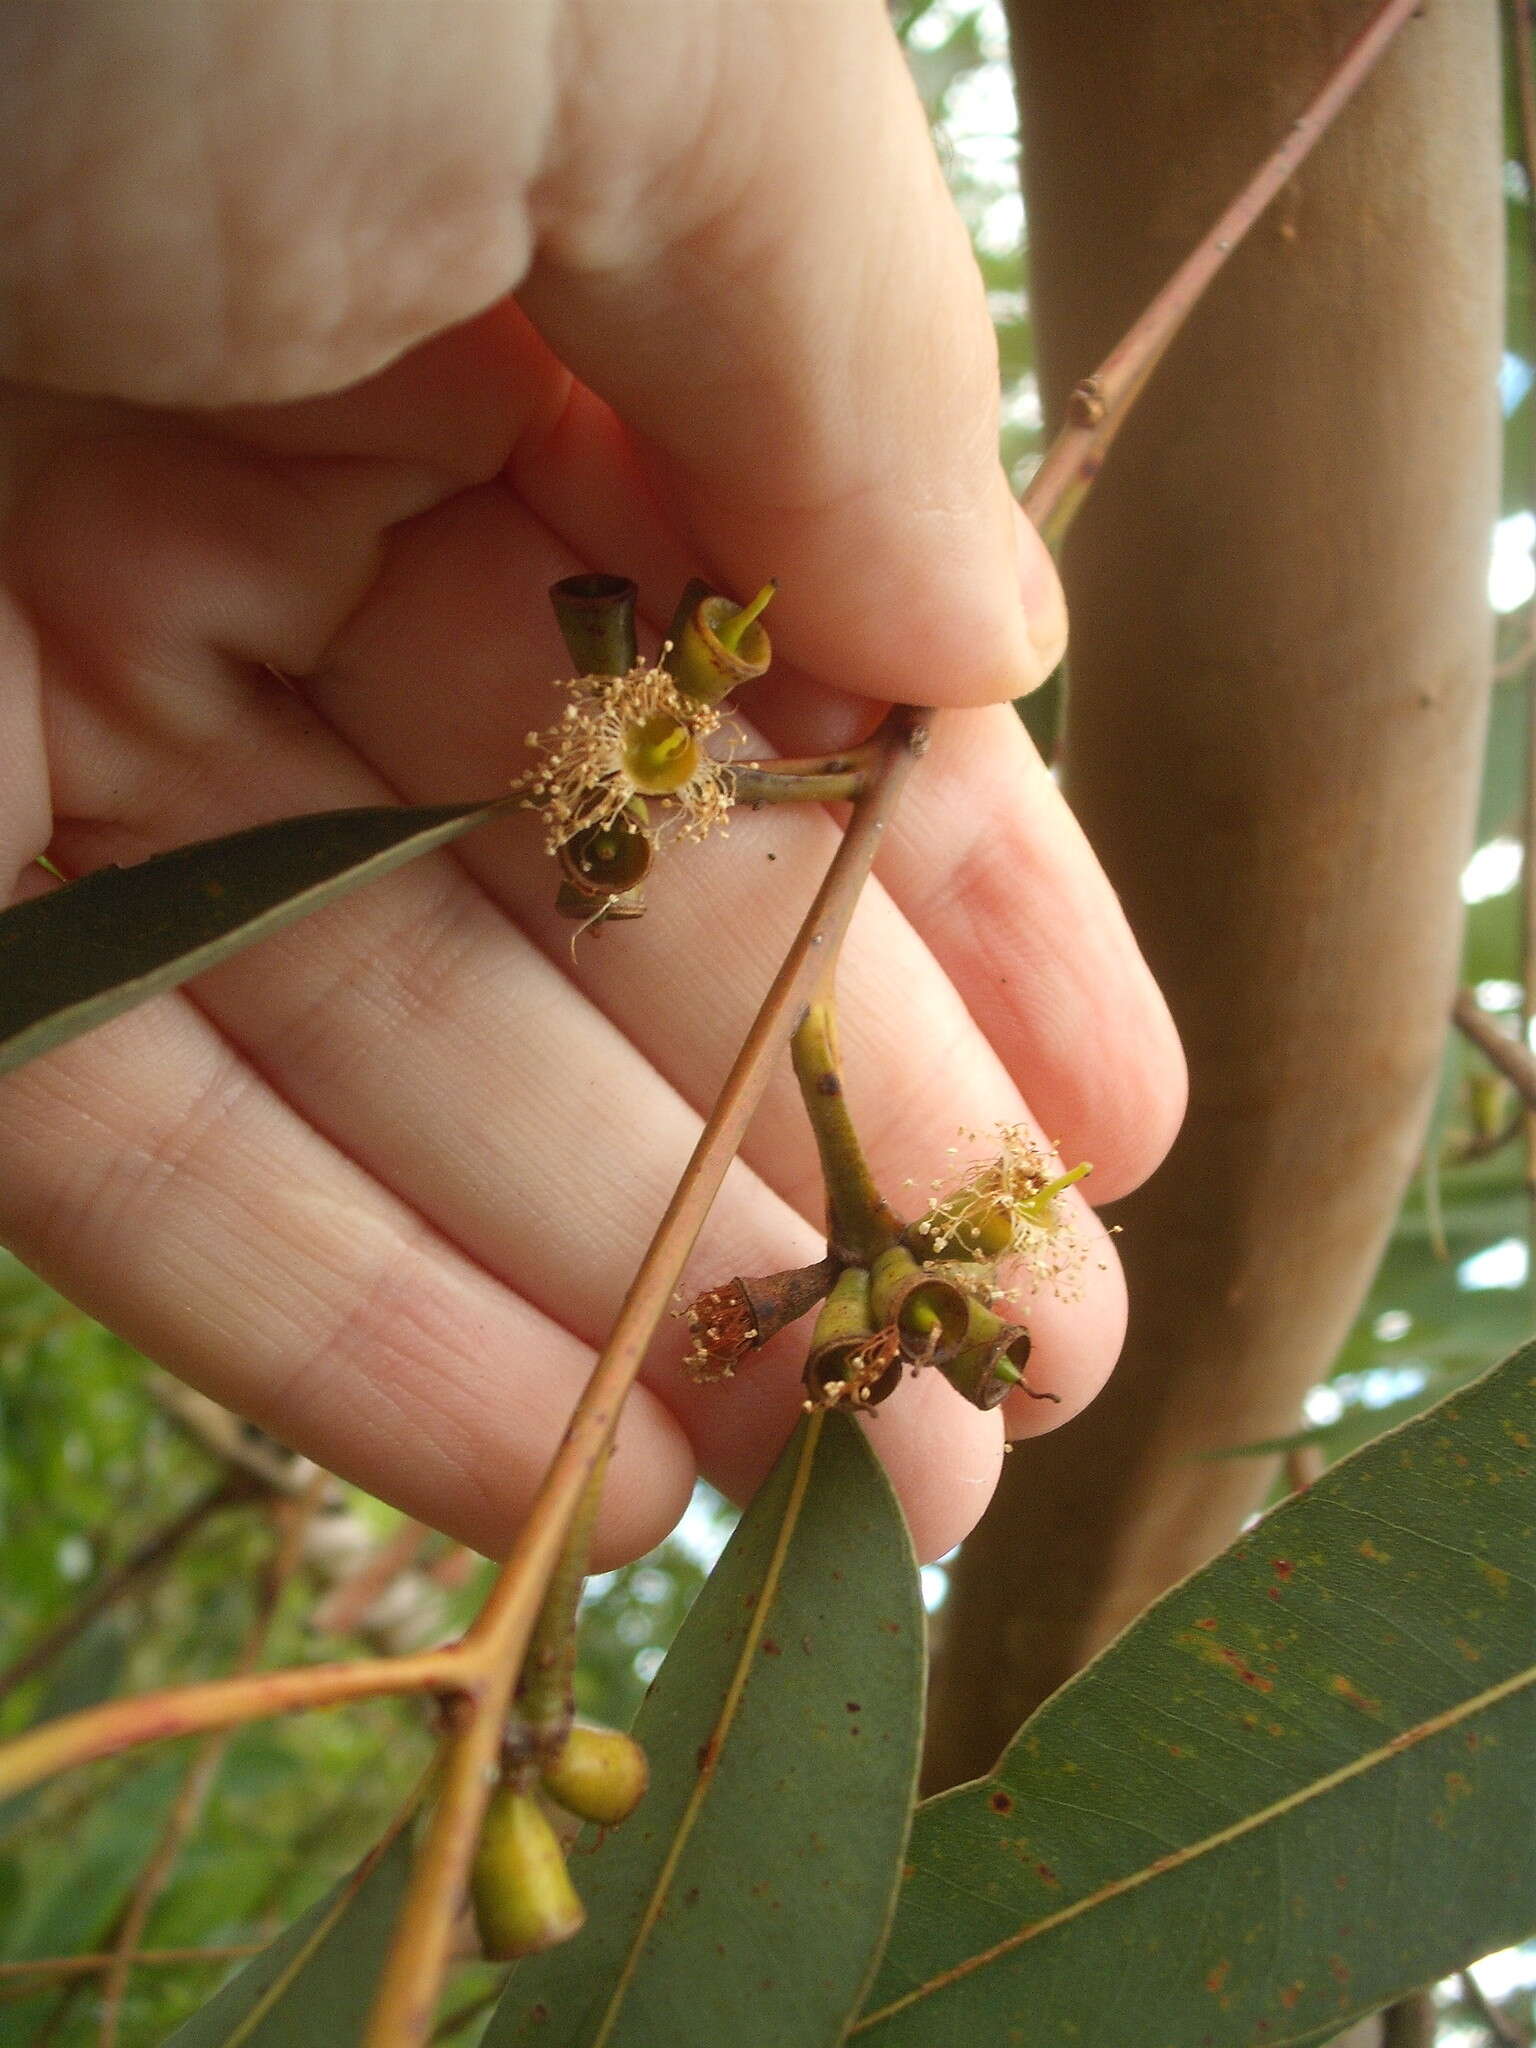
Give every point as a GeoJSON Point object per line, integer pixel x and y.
{"type": "Point", "coordinates": [747, 1899]}
{"type": "Point", "coordinates": [312, 1988]}
{"type": "Point", "coordinates": [1302, 1783]}
{"type": "Point", "coordinates": [85, 953]}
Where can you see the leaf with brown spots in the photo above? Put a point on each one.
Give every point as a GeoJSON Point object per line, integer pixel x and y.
{"type": "Point", "coordinates": [747, 1899]}
{"type": "Point", "coordinates": [1159, 1856]}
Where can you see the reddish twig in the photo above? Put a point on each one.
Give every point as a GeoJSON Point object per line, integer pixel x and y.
{"type": "Point", "coordinates": [1098, 407]}
{"type": "Point", "coordinates": [47, 1970]}
{"type": "Point", "coordinates": [1500, 1050]}
{"type": "Point", "coordinates": [403, 2011]}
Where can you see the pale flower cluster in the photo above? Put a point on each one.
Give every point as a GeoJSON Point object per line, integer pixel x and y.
{"type": "Point", "coordinates": [581, 780]}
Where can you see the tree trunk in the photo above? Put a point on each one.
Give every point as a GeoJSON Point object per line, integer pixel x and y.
{"type": "Point", "coordinates": [1278, 682]}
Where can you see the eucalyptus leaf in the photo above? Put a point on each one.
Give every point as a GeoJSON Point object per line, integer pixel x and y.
{"type": "Point", "coordinates": [74, 958]}
{"type": "Point", "coordinates": [747, 1899]}
{"type": "Point", "coordinates": [313, 1987]}
{"type": "Point", "coordinates": [1303, 1783]}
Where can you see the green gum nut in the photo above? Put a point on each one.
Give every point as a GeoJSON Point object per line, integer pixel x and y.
{"type": "Point", "coordinates": [611, 859]}
{"type": "Point", "coordinates": [599, 1774]}
{"type": "Point", "coordinates": [992, 1360]}
{"type": "Point", "coordinates": [523, 1896]}
{"type": "Point", "coordinates": [929, 1311]}
{"type": "Point", "coordinates": [596, 616]}
{"type": "Point", "coordinates": [660, 755]}
{"type": "Point", "coordinates": [717, 645]}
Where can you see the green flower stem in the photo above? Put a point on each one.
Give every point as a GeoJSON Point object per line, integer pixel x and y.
{"type": "Point", "coordinates": [545, 1698]}
{"type": "Point", "coordinates": [860, 1225]}
{"type": "Point", "coordinates": [814, 779]}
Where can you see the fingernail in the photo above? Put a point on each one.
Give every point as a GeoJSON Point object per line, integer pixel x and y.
{"type": "Point", "coordinates": [1045, 607]}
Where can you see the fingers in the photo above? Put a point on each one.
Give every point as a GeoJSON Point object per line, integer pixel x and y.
{"type": "Point", "coordinates": [793, 324]}
{"type": "Point", "coordinates": [721, 915]}
{"type": "Point", "coordinates": [158, 1179]}
{"type": "Point", "coordinates": [762, 274]}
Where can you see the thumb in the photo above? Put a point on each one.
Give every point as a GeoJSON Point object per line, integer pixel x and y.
{"type": "Point", "coordinates": [782, 305]}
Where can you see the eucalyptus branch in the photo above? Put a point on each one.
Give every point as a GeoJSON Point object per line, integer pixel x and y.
{"type": "Point", "coordinates": [810, 779]}
{"type": "Point", "coordinates": [1099, 406]}
{"type": "Point", "coordinates": [495, 1645]}
{"type": "Point", "coordinates": [1513, 1061]}
{"type": "Point", "coordinates": [545, 1693]}
{"type": "Point", "coordinates": [475, 1679]}
{"type": "Point", "coordinates": [17, 1978]}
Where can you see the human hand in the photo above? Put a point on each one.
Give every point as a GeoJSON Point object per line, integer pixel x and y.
{"type": "Point", "coordinates": [379, 1183]}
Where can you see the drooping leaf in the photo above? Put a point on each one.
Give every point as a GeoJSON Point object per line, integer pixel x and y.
{"type": "Point", "coordinates": [83, 954]}
{"type": "Point", "coordinates": [747, 1898]}
{"type": "Point", "coordinates": [1302, 1783]}
{"type": "Point", "coordinates": [312, 1988]}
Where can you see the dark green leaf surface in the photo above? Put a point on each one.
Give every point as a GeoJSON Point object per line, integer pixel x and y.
{"type": "Point", "coordinates": [745, 1903]}
{"type": "Point", "coordinates": [1304, 1782]}
{"type": "Point", "coordinates": [323, 2002]}
{"type": "Point", "coordinates": [87, 952]}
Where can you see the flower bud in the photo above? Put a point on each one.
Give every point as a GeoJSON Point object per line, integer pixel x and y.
{"type": "Point", "coordinates": [523, 1896]}
{"type": "Point", "coordinates": [596, 615]}
{"type": "Point", "coordinates": [599, 1774]}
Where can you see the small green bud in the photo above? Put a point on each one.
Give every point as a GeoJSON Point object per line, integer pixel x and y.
{"type": "Point", "coordinates": [523, 1896]}
{"type": "Point", "coordinates": [599, 1774]}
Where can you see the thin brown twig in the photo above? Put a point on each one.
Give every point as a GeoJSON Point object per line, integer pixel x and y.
{"type": "Point", "coordinates": [1099, 405]}
{"type": "Point", "coordinates": [1500, 1050]}
{"type": "Point", "coordinates": [1499, 2027]}
{"type": "Point", "coordinates": [50, 1968]}
{"type": "Point", "coordinates": [186, 1810]}
{"type": "Point", "coordinates": [156, 1551]}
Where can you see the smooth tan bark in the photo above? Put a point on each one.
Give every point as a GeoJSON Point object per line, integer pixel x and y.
{"type": "Point", "coordinates": [1278, 679]}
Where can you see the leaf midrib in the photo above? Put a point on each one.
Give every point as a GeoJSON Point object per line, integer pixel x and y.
{"type": "Point", "coordinates": [1177, 1859]}
{"type": "Point", "coordinates": [715, 1747]}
